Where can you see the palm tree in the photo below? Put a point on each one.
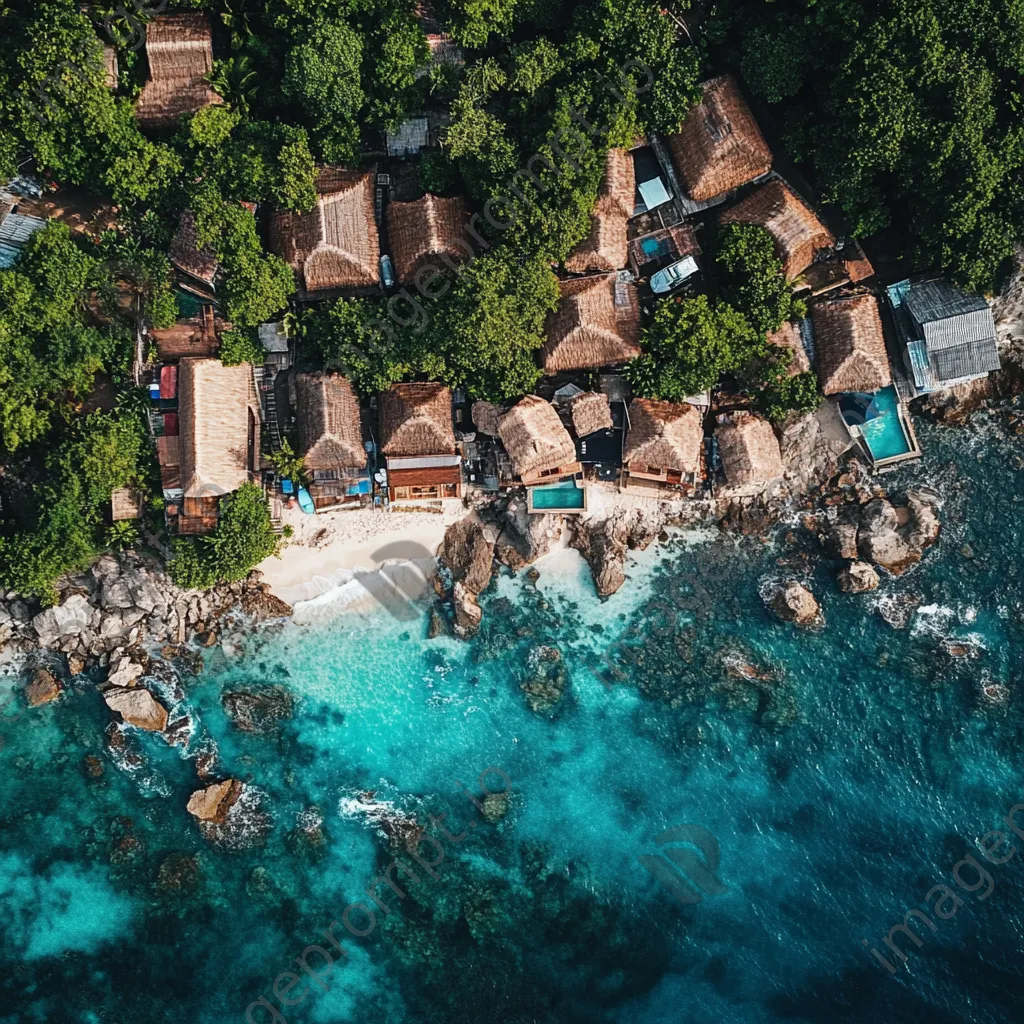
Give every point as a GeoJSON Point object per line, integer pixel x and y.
{"type": "Point", "coordinates": [236, 19]}
{"type": "Point", "coordinates": [236, 80]}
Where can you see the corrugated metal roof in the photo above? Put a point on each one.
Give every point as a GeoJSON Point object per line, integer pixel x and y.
{"type": "Point", "coordinates": [15, 231]}
{"type": "Point", "coordinates": [966, 360]}
{"type": "Point", "coordinates": [939, 300]}
{"type": "Point", "coordinates": [423, 461]}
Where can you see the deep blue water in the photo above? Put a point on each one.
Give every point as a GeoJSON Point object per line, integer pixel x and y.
{"type": "Point", "coordinates": [841, 788]}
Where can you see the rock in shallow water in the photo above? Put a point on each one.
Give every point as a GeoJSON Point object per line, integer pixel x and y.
{"type": "Point", "coordinates": [260, 710]}
{"type": "Point", "coordinates": [42, 688]}
{"type": "Point", "coordinates": [138, 707]}
{"type": "Point", "coordinates": [792, 602]}
{"type": "Point", "coordinates": [857, 578]}
{"type": "Point", "coordinates": [213, 803]}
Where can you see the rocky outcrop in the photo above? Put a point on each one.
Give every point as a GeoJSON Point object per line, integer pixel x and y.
{"type": "Point", "coordinates": [604, 543]}
{"type": "Point", "coordinates": [466, 609]}
{"type": "Point", "coordinates": [213, 803]}
{"type": "Point", "coordinates": [259, 711]}
{"type": "Point", "coordinates": [547, 680]}
{"type": "Point", "coordinates": [792, 602]}
{"type": "Point", "coordinates": [124, 671]}
{"type": "Point", "coordinates": [524, 537]}
{"type": "Point", "coordinates": [810, 449]}
{"type": "Point", "coordinates": [42, 688]}
{"type": "Point", "coordinates": [138, 707]}
{"type": "Point", "coordinates": [841, 535]}
{"type": "Point", "coordinates": [467, 552]}
{"type": "Point", "coordinates": [895, 538]}
{"type": "Point", "coordinates": [857, 578]}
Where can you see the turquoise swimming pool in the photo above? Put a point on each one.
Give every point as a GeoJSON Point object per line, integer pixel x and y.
{"type": "Point", "coordinates": [885, 435]}
{"type": "Point", "coordinates": [563, 496]}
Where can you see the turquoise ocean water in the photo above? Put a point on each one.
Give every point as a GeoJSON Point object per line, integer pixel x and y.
{"type": "Point", "coordinates": [842, 786]}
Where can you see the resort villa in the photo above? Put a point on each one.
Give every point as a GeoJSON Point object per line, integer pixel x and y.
{"type": "Point", "coordinates": [427, 231]}
{"type": "Point", "coordinates": [219, 437]}
{"type": "Point", "coordinates": [853, 365]}
{"type": "Point", "coordinates": [330, 439]}
{"type": "Point", "coordinates": [662, 450]}
{"type": "Point", "coordinates": [538, 447]}
{"type": "Point", "coordinates": [749, 453]}
{"type": "Point", "coordinates": [719, 146]}
{"type": "Point", "coordinates": [597, 323]}
{"type": "Point", "coordinates": [417, 441]}
{"type": "Point", "coordinates": [947, 336]}
{"type": "Point", "coordinates": [334, 249]}
{"type": "Point", "coordinates": [179, 49]}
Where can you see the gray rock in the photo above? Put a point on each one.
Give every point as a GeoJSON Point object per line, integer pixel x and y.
{"type": "Point", "coordinates": [67, 619]}
{"type": "Point", "coordinates": [468, 552]}
{"type": "Point", "coordinates": [138, 707]}
{"type": "Point", "coordinates": [857, 578]}
{"type": "Point", "coordinates": [524, 537]}
{"type": "Point", "coordinates": [124, 673]}
{"type": "Point", "coordinates": [792, 602]}
{"type": "Point", "coordinates": [879, 540]}
{"type": "Point", "coordinates": [467, 611]}
{"type": "Point", "coordinates": [115, 594]}
{"type": "Point", "coordinates": [112, 625]}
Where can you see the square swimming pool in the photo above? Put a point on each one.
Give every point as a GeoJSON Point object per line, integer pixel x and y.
{"type": "Point", "coordinates": [885, 435]}
{"type": "Point", "coordinates": [564, 496]}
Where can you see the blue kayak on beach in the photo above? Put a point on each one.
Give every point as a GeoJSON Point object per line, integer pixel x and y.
{"type": "Point", "coordinates": [305, 501]}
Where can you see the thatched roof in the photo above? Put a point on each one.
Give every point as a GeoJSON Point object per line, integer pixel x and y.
{"type": "Point", "coordinates": [597, 323]}
{"type": "Point", "coordinates": [328, 414]}
{"type": "Point", "coordinates": [486, 416]}
{"type": "Point", "coordinates": [214, 405]}
{"type": "Point", "coordinates": [125, 504]}
{"type": "Point", "coordinates": [606, 247]}
{"type": "Point", "coordinates": [788, 219]}
{"type": "Point", "coordinates": [535, 438]}
{"type": "Point", "coordinates": [200, 263]}
{"type": "Point", "coordinates": [110, 65]}
{"type": "Point", "coordinates": [749, 450]}
{"type": "Point", "coordinates": [788, 337]}
{"type": "Point", "coordinates": [180, 55]}
{"type": "Point", "coordinates": [663, 435]}
{"type": "Point", "coordinates": [427, 227]}
{"type": "Point", "coordinates": [719, 146]}
{"type": "Point", "coordinates": [416, 419]}
{"type": "Point", "coordinates": [850, 345]}
{"type": "Point", "coordinates": [590, 413]}
{"type": "Point", "coordinates": [334, 247]}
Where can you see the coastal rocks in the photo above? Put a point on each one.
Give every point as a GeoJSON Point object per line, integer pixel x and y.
{"type": "Point", "coordinates": [467, 610]}
{"type": "Point", "coordinates": [260, 604]}
{"type": "Point", "coordinates": [124, 672]}
{"type": "Point", "coordinates": [138, 707]}
{"type": "Point", "coordinates": [524, 537]}
{"type": "Point", "coordinates": [495, 807]}
{"type": "Point", "coordinates": [893, 538]}
{"type": "Point", "coordinates": [897, 610]}
{"type": "Point", "coordinates": [213, 803]}
{"type": "Point", "coordinates": [547, 680]}
{"type": "Point", "coordinates": [790, 601]}
{"type": "Point", "coordinates": [810, 450]}
{"type": "Point", "coordinates": [179, 873]}
{"type": "Point", "coordinates": [69, 619]}
{"type": "Point", "coordinates": [259, 711]}
{"type": "Point", "coordinates": [857, 578]}
{"type": "Point", "coordinates": [467, 552]}
{"type": "Point", "coordinates": [42, 688]}
{"type": "Point", "coordinates": [604, 543]}
{"type": "Point", "coordinates": [841, 536]}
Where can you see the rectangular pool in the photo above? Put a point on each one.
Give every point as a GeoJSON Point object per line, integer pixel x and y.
{"type": "Point", "coordinates": [884, 435]}
{"type": "Point", "coordinates": [564, 496]}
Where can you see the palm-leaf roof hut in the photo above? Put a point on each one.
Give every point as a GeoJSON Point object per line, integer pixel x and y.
{"type": "Point", "coordinates": [330, 437]}
{"type": "Point", "coordinates": [218, 423]}
{"type": "Point", "coordinates": [798, 233]}
{"type": "Point", "coordinates": [606, 246]}
{"type": "Point", "coordinates": [749, 451]}
{"type": "Point", "coordinates": [719, 146]}
{"type": "Point", "coordinates": [180, 52]}
{"type": "Point", "coordinates": [427, 229]}
{"type": "Point", "coordinates": [198, 262]}
{"type": "Point", "coordinates": [597, 323]}
{"type": "Point", "coordinates": [850, 345]}
{"type": "Point", "coordinates": [537, 443]}
{"type": "Point", "coordinates": [590, 412]}
{"type": "Point", "coordinates": [663, 441]}
{"type": "Point", "coordinates": [334, 248]}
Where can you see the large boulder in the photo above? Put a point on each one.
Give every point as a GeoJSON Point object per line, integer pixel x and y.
{"type": "Point", "coordinates": [880, 541]}
{"type": "Point", "coordinates": [857, 578]}
{"type": "Point", "coordinates": [138, 707]}
{"type": "Point", "coordinates": [124, 672]}
{"type": "Point", "coordinates": [524, 537]}
{"type": "Point", "coordinates": [468, 552]}
{"type": "Point", "coordinates": [603, 543]}
{"type": "Point", "coordinates": [841, 536]}
{"type": "Point", "coordinates": [213, 803]}
{"type": "Point", "coordinates": [42, 688]}
{"type": "Point", "coordinates": [69, 619]}
{"type": "Point", "coordinates": [792, 602]}
{"type": "Point", "coordinates": [467, 611]}
{"type": "Point", "coordinates": [923, 529]}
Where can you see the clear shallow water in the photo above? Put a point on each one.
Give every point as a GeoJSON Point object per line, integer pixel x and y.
{"type": "Point", "coordinates": [841, 789]}
{"type": "Point", "coordinates": [884, 434]}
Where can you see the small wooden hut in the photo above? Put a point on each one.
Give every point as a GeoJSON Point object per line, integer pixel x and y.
{"type": "Point", "coordinates": [798, 233]}
{"type": "Point", "coordinates": [719, 146]}
{"type": "Point", "coordinates": [330, 437]}
{"type": "Point", "coordinates": [749, 450]}
{"type": "Point", "coordinates": [597, 323]}
{"type": "Point", "coordinates": [606, 247]}
{"type": "Point", "coordinates": [662, 447]}
{"type": "Point", "coordinates": [333, 249]}
{"type": "Point", "coordinates": [850, 345]}
{"type": "Point", "coordinates": [590, 412]}
{"type": "Point", "coordinates": [179, 49]}
{"type": "Point", "coordinates": [539, 447]}
{"type": "Point", "coordinates": [418, 442]}
{"type": "Point", "coordinates": [427, 230]}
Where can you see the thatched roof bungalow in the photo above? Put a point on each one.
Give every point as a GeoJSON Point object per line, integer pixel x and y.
{"type": "Point", "coordinates": [850, 345]}
{"type": "Point", "coordinates": [334, 248]}
{"type": "Point", "coordinates": [538, 445]}
{"type": "Point", "coordinates": [418, 441]}
{"type": "Point", "coordinates": [197, 262]}
{"type": "Point", "coordinates": [663, 444]}
{"type": "Point", "coordinates": [428, 229]}
{"type": "Point", "coordinates": [180, 54]}
{"type": "Point", "coordinates": [749, 450]}
{"type": "Point", "coordinates": [597, 323]}
{"type": "Point", "coordinates": [719, 146]}
{"type": "Point", "coordinates": [218, 423]}
{"type": "Point", "coordinates": [606, 246]}
{"type": "Point", "coordinates": [590, 412]}
{"type": "Point", "coordinates": [798, 233]}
